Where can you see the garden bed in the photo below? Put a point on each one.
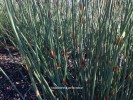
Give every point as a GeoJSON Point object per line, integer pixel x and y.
{"type": "Point", "coordinates": [12, 67]}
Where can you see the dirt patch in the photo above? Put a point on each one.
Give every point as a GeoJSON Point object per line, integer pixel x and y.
{"type": "Point", "coordinates": [15, 69]}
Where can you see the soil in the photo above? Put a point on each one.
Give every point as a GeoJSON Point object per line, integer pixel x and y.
{"type": "Point", "coordinates": [14, 68]}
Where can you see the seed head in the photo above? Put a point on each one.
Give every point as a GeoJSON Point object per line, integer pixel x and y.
{"type": "Point", "coordinates": [27, 69]}
{"type": "Point", "coordinates": [80, 6]}
{"type": "Point", "coordinates": [52, 54]}
{"type": "Point", "coordinates": [66, 97]}
{"type": "Point", "coordinates": [119, 40]}
{"type": "Point", "coordinates": [80, 20]}
{"type": "Point", "coordinates": [82, 62]}
{"type": "Point", "coordinates": [48, 72]}
{"type": "Point", "coordinates": [46, 1]}
{"type": "Point", "coordinates": [74, 35]}
{"type": "Point", "coordinates": [57, 67]}
{"type": "Point", "coordinates": [127, 77]}
{"type": "Point", "coordinates": [37, 93]}
{"type": "Point", "coordinates": [106, 98]}
{"type": "Point", "coordinates": [64, 82]}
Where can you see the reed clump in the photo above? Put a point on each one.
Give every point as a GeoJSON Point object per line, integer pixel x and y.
{"type": "Point", "coordinates": [83, 44]}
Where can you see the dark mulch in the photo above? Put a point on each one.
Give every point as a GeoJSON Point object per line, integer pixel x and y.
{"type": "Point", "coordinates": [14, 69]}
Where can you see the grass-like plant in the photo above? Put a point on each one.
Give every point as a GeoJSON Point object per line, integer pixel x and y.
{"type": "Point", "coordinates": [5, 25]}
{"type": "Point", "coordinates": [83, 44]}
